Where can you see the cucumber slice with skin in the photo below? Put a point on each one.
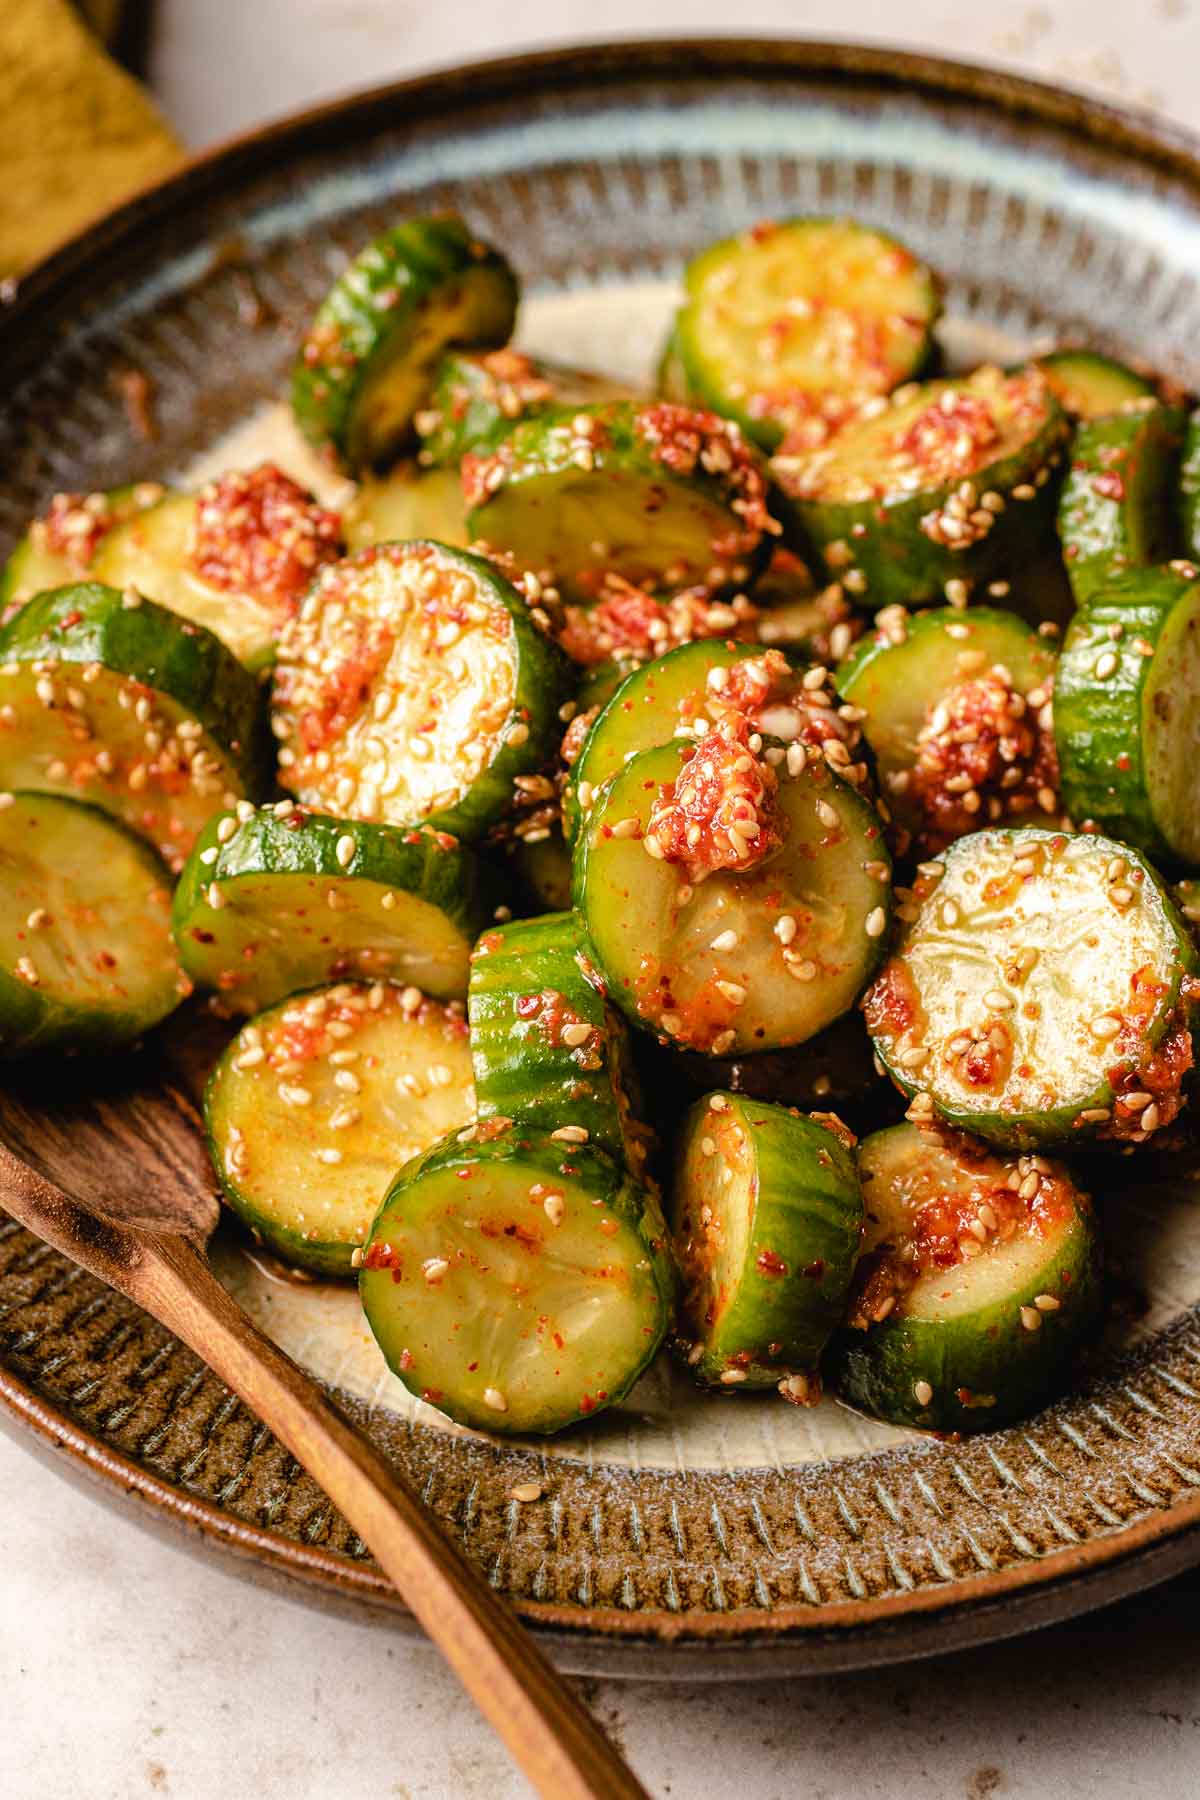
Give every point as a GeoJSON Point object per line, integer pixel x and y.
{"type": "Point", "coordinates": [1116, 511]}
{"type": "Point", "coordinates": [86, 957]}
{"type": "Point", "coordinates": [946, 482]}
{"type": "Point", "coordinates": [368, 361]}
{"type": "Point", "coordinates": [237, 558]}
{"type": "Point", "coordinates": [1087, 385]}
{"type": "Point", "coordinates": [316, 1103]}
{"type": "Point", "coordinates": [414, 687]}
{"type": "Point", "coordinates": [736, 961]}
{"type": "Point", "coordinates": [1188, 501]}
{"type": "Point", "coordinates": [408, 502]}
{"type": "Point", "coordinates": [680, 693]}
{"type": "Point", "coordinates": [956, 707]}
{"type": "Point", "coordinates": [545, 1045]}
{"type": "Point", "coordinates": [766, 1216]}
{"type": "Point", "coordinates": [1126, 714]}
{"type": "Point", "coordinates": [670, 377]}
{"type": "Point", "coordinates": [517, 1281]}
{"type": "Point", "coordinates": [61, 546]}
{"type": "Point", "coordinates": [283, 899]}
{"type": "Point", "coordinates": [785, 321]}
{"type": "Point", "coordinates": [478, 398]}
{"type": "Point", "coordinates": [1041, 994]}
{"type": "Point", "coordinates": [113, 700]}
{"type": "Point", "coordinates": [978, 1283]}
{"type": "Point", "coordinates": [663, 497]}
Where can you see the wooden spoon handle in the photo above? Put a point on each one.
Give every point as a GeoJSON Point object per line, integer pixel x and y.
{"type": "Point", "coordinates": [548, 1731]}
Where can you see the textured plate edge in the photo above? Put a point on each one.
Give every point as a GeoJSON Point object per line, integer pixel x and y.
{"type": "Point", "coordinates": [839, 1635]}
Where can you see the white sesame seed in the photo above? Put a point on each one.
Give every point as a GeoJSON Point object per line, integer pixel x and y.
{"type": "Point", "coordinates": [27, 971]}
{"type": "Point", "coordinates": [294, 1096]}
{"type": "Point", "coordinates": [554, 1206]}
{"type": "Point", "coordinates": [250, 1057]}
{"type": "Point", "coordinates": [725, 940]}
{"type": "Point", "coordinates": [571, 1134]}
{"type": "Point", "coordinates": [785, 928]}
{"type": "Point", "coordinates": [344, 850]}
{"type": "Point", "coordinates": [525, 1492]}
{"type": "Point", "coordinates": [348, 1081]}
{"type": "Point", "coordinates": [625, 828]}
{"type": "Point", "coordinates": [576, 1034]}
{"type": "Point", "coordinates": [827, 814]}
{"type": "Point", "coordinates": [733, 991]}
{"type": "Point", "coordinates": [328, 1155]}
{"type": "Point", "coordinates": [1106, 1026]}
{"type": "Point", "coordinates": [729, 1377]}
{"type": "Point", "coordinates": [433, 1268]}
{"type": "Point", "coordinates": [1031, 1318]}
{"type": "Point", "coordinates": [995, 1001]}
{"type": "Point", "coordinates": [1151, 1118]}
{"type": "Point", "coordinates": [876, 923]}
{"type": "Point", "coordinates": [215, 897]}
{"type": "Point", "coordinates": [923, 1392]}
{"type": "Point", "coordinates": [1047, 1302]}
{"type": "Point", "coordinates": [495, 1399]}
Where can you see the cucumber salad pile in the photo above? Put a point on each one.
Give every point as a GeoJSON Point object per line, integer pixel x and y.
{"type": "Point", "coordinates": [624, 796]}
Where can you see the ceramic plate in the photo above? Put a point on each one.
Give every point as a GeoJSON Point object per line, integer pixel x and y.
{"type": "Point", "coordinates": [679, 1533]}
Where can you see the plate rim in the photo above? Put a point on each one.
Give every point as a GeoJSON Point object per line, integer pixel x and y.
{"type": "Point", "coordinates": [1057, 1584]}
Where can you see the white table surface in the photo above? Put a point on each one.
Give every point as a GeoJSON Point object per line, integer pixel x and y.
{"type": "Point", "coordinates": [128, 1669]}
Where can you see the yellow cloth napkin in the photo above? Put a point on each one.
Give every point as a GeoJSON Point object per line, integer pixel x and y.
{"type": "Point", "coordinates": [76, 132]}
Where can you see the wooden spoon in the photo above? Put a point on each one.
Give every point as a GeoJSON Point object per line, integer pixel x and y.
{"type": "Point", "coordinates": [118, 1179]}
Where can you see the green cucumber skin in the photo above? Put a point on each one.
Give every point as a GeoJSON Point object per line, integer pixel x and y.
{"type": "Point", "coordinates": [680, 672]}
{"type": "Point", "coordinates": [469, 419]}
{"type": "Point", "coordinates": [32, 1021]}
{"type": "Point", "coordinates": [1095, 721]}
{"type": "Point", "coordinates": [876, 1370]}
{"type": "Point", "coordinates": [670, 377]}
{"type": "Point", "coordinates": [1088, 384]}
{"type": "Point", "coordinates": [542, 449]}
{"type": "Point", "coordinates": [539, 1159]}
{"type": "Point", "coordinates": [419, 861]}
{"type": "Point", "coordinates": [873, 653]}
{"type": "Point", "coordinates": [808, 1215]}
{"type": "Point", "coordinates": [1055, 1126]}
{"type": "Point", "coordinates": [89, 623]}
{"type": "Point", "coordinates": [1133, 454]}
{"type": "Point", "coordinates": [381, 297]}
{"type": "Point", "coordinates": [544, 682]}
{"type": "Point", "coordinates": [1188, 504]}
{"type": "Point", "coordinates": [708, 390]}
{"type": "Point", "coordinates": [519, 1072]}
{"type": "Point", "coordinates": [900, 564]}
{"type": "Point", "coordinates": [324, 1257]}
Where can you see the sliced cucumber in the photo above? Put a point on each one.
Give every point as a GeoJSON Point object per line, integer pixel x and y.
{"type": "Point", "coordinates": [733, 962]}
{"type": "Point", "coordinates": [766, 1216]}
{"type": "Point", "coordinates": [660, 496]}
{"type": "Point", "coordinates": [282, 899]}
{"type": "Point", "coordinates": [681, 693]}
{"type": "Point", "coordinates": [1188, 502]}
{"type": "Point", "coordinates": [316, 1103]}
{"type": "Point", "coordinates": [1041, 980]}
{"type": "Point", "coordinates": [788, 316]}
{"type": "Point", "coordinates": [477, 398]}
{"type": "Point", "coordinates": [951, 481]}
{"type": "Point", "coordinates": [1127, 714]}
{"type": "Point", "coordinates": [545, 1045]}
{"type": "Point", "coordinates": [112, 699]}
{"type": "Point", "coordinates": [414, 688]}
{"type": "Point", "coordinates": [517, 1282]}
{"type": "Point", "coordinates": [977, 1288]}
{"type": "Point", "coordinates": [86, 958]}
{"type": "Point", "coordinates": [957, 711]}
{"type": "Point", "coordinates": [61, 546]}
{"type": "Point", "coordinates": [1116, 511]}
{"type": "Point", "coordinates": [368, 361]}
{"type": "Point", "coordinates": [670, 377]}
{"type": "Point", "coordinates": [408, 502]}
{"type": "Point", "coordinates": [237, 557]}
{"type": "Point", "coordinates": [1087, 385]}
